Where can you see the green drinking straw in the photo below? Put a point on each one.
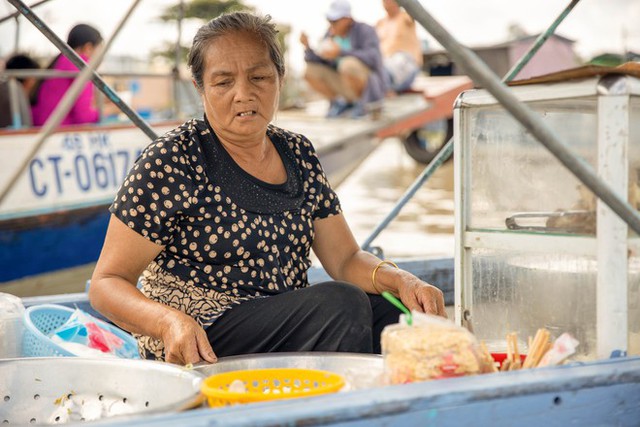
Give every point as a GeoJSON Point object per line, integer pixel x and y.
{"type": "Point", "coordinates": [395, 301]}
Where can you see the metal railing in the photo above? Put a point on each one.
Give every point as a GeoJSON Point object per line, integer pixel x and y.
{"type": "Point", "coordinates": [12, 76]}
{"type": "Point", "coordinates": [66, 50]}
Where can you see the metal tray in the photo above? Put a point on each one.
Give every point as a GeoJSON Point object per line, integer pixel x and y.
{"type": "Point", "coordinates": [361, 371]}
{"type": "Point", "coordinates": [58, 390]}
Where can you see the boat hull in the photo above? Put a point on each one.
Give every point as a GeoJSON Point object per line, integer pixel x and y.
{"type": "Point", "coordinates": [605, 392]}
{"type": "Point", "coordinates": [55, 214]}
{"type": "Point", "coordinates": [39, 244]}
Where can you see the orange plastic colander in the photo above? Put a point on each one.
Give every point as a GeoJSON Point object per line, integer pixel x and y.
{"type": "Point", "coordinates": [258, 385]}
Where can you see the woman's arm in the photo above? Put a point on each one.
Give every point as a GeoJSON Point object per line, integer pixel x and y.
{"type": "Point", "coordinates": [343, 260]}
{"type": "Point", "coordinates": [113, 293]}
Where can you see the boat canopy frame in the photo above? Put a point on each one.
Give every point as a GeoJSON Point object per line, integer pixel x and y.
{"type": "Point", "coordinates": [87, 71]}
{"type": "Point", "coordinates": [475, 68]}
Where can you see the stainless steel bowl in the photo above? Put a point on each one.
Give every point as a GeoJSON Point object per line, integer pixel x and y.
{"type": "Point", "coordinates": [360, 371]}
{"type": "Point", "coordinates": [57, 390]}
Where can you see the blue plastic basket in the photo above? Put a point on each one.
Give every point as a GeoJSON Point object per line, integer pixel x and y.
{"type": "Point", "coordinates": [41, 320]}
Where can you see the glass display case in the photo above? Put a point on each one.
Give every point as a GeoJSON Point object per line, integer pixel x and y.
{"type": "Point", "coordinates": [534, 246]}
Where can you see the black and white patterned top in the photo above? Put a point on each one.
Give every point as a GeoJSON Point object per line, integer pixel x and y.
{"type": "Point", "coordinates": [228, 236]}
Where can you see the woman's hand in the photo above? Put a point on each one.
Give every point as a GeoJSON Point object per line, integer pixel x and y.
{"type": "Point", "coordinates": [185, 341]}
{"type": "Point", "coordinates": [421, 296]}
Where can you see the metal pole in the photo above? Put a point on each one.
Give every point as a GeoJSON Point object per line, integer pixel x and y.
{"type": "Point", "coordinates": [16, 44]}
{"type": "Point", "coordinates": [542, 38]}
{"type": "Point", "coordinates": [482, 75]}
{"type": "Point", "coordinates": [176, 65]}
{"type": "Point", "coordinates": [78, 62]}
{"type": "Point", "coordinates": [67, 102]}
{"type": "Point", "coordinates": [446, 151]}
{"type": "Point", "coordinates": [14, 95]}
{"type": "Point", "coordinates": [15, 15]}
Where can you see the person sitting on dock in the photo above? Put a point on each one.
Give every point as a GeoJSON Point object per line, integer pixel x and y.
{"type": "Point", "coordinates": [22, 96]}
{"type": "Point", "coordinates": [347, 67]}
{"type": "Point", "coordinates": [217, 219]}
{"type": "Point", "coordinates": [84, 39]}
{"type": "Point", "coordinates": [400, 46]}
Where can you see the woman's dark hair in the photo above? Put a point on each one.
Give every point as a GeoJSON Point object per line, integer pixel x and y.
{"type": "Point", "coordinates": [21, 61]}
{"type": "Point", "coordinates": [82, 34]}
{"type": "Point", "coordinates": [261, 27]}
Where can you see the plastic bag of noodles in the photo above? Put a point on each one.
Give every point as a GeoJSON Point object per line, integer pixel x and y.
{"type": "Point", "coordinates": [430, 348]}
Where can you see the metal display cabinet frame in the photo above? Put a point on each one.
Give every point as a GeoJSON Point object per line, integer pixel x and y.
{"type": "Point", "coordinates": [613, 241]}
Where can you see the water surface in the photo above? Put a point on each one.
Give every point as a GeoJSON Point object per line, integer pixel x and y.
{"type": "Point", "coordinates": [423, 228]}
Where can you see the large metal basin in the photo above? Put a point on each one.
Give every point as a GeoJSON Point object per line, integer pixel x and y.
{"type": "Point", "coordinates": [57, 390]}
{"type": "Point", "coordinates": [361, 371]}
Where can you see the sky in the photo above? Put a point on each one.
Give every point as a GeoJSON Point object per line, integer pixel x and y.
{"type": "Point", "coordinates": [597, 26]}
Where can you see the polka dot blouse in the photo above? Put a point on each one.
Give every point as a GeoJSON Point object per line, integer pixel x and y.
{"type": "Point", "coordinates": [228, 237]}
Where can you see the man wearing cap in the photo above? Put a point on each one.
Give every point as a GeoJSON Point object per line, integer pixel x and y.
{"type": "Point", "coordinates": [346, 68]}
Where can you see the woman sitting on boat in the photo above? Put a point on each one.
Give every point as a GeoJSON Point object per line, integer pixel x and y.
{"type": "Point", "coordinates": [219, 217]}
{"type": "Point", "coordinates": [84, 39]}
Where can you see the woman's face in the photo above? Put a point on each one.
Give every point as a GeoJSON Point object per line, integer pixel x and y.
{"type": "Point", "coordinates": [241, 87]}
{"type": "Point", "coordinates": [88, 49]}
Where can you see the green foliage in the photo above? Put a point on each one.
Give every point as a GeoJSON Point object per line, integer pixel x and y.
{"type": "Point", "coordinates": [203, 9]}
{"type": "Point", "coordinates": [168, 51]}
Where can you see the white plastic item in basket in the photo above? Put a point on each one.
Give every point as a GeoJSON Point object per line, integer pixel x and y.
{"type": "Point", "coordinates": [11, 327]}
{"type": "Point", "coordinates": [42, 320]}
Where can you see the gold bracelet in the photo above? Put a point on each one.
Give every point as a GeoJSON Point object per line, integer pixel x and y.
{"type": "Point", "coordinates": [375, 270]}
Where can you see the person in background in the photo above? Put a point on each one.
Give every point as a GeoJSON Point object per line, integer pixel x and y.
{"type": "Point", "coordinates": [23, 96]}
{"type": "Point", "coordinates": [217, 219]}
{"type": "Point", "coordinates": [347, 67]}
{"type": "Point", "coordinates": [84, 39]}
{"type": "Point", "coordinates": [400, 46]}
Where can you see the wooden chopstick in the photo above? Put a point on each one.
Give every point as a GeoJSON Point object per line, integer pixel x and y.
{"type": "Point", "coordinates": [487, 356]}
{"type": "Point", "coordinates": [539, 347]}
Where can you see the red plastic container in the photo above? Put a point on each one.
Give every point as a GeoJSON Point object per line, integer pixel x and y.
{"type": "Point", "coordinates": [499, 358]}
